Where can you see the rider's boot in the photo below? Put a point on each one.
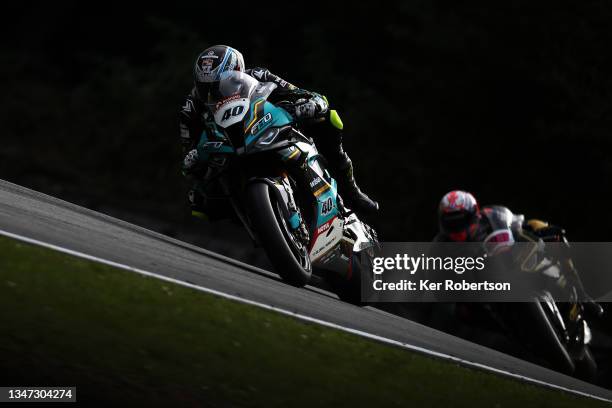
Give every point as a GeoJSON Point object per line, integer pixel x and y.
{"type": "Point", "coordinates": [197, 204]}
{"type": "Point", "coordinates": [351, 193]}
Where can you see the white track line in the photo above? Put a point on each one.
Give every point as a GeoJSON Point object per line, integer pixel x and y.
{"type": "Point", "coordinates": [302, 317]}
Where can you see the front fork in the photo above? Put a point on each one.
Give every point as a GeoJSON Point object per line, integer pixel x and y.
{"type": "Point", "coordinates": [296, 221]}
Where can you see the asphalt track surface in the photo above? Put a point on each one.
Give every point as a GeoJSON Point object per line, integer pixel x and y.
{"type": "Point", "coordinates": [39, 217]}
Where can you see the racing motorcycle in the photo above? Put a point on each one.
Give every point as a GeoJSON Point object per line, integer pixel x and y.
{"type": "Point", "coordinates": [278, 186]}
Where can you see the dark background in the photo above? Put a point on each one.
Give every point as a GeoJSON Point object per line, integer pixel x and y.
{"type": "Point", "coordinates": [509, 100]}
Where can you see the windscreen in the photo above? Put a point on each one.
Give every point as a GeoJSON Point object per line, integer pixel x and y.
{"type": "Point", "coordinates": [229, 99]}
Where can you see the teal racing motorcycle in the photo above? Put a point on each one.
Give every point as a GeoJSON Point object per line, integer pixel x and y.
{"type": "Point", "coordinates": [278, 186]}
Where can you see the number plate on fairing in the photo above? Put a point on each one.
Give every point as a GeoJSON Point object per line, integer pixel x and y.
{"type": "Point", "coordinates": [231, 112]}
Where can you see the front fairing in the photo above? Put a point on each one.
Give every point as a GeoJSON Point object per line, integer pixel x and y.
{"type": "Point", "coordinates": [240, 108]}
{"type": "Point", "coordinates": [229, 99]}
{"type": "Point", "coordinates": [264, 126]}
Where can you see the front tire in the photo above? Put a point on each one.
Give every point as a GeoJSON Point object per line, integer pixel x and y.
{"type": "Point", "coordinates": [289, 257]}
{"type": "Point", "coordinates": [538, 330]}
{"type": "Point", "coordinates": [586, 366]}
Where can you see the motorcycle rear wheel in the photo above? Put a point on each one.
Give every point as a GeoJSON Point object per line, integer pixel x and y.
{"type": "Point", "coordinates": [348, 288]}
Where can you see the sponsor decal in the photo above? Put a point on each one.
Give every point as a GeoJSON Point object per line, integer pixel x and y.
{"type": "Point", "coordinates": [188, 107]}
{"type": "Point", "coordinates": [227, 100]}
{"type": "Point", "coordinates": [328, 243]}
{"type": "Point", "coordinates": [323, 228]}
{"type": "Point", "coordinates": [261, 123]}
{"type": "Point", "coordinates": [258, 73]}
{"type": "Point", "coordinates": [315, 182]}
{"type": "Point", "coordinates": [281, 82]}
{"type": "Point", "coordinates": [204, 70]}
{"type": "Point", "coordinates": [205, 65]}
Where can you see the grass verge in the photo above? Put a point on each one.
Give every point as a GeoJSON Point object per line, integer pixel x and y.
{"type": "Point", "coordinates": [121, 337]}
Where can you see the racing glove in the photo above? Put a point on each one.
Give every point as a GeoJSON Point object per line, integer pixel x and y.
{"type": "Point", "coordinates": [191, 162]}
{"type": "Point", "coordinates": [311, 108]}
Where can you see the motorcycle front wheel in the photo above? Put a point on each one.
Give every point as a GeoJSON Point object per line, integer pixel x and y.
{"type": "Point", "coordinates": [586, 366]}
{"type": "Point", "coordinates": [287, 254]}
{"type": "Point", "coordinates": [538, 330]}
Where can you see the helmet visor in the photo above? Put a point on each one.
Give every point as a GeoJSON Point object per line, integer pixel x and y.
{"type": "Point", "coordinates": [455, 221]}
{"type": "Point", "coordinates": [204, 89]}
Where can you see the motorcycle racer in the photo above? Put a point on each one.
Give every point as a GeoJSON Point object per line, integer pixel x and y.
{"type": "Point", "coordinates": [310, 110]}
{"type": "Point", "coordinates": [461, 219]}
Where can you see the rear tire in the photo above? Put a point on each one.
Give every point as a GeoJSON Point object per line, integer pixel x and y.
{"type": "Point", "coordinates": [290, 261]}
{"type": "Point", "coordinates": [348, 289]}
